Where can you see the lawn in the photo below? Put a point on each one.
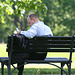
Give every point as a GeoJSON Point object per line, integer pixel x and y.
{"type": "Point", "coordinates": [3, 52]}
{"type": "Point", "coordinates": [42, 68]}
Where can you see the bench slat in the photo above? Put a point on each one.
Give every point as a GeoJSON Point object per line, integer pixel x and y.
{"type": "Point", "coordinates": [50, 59]}
{"type": "Point", "coordinates": [48, 50]}
{"type": "Point", "coordinates": [49, 46]}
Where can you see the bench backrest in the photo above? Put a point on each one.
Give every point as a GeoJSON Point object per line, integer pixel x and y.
{"type": "Point", "coordinates": [43, 44]}
{"type": "Point", "coordinates": [51, 44]}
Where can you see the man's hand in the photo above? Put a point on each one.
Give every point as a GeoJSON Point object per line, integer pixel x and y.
{"type": "Point", "coordinates": [15, 32]}
{"type": "Point", "coordinates": [18, 32]}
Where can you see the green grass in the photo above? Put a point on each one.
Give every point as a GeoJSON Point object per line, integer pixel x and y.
{"type": "Point", "coordinates": [3, 52]}
{"type": "Point", "coordinates": [35, 71]}
{"type": "Point", "coordinates": [40, 69]}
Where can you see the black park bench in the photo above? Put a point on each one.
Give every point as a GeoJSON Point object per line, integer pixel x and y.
{"type": "Point", "coordinates": [43, 44]}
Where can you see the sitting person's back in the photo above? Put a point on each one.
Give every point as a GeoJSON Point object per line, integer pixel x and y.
{"type": "Point", "coordinates": [37, 28]}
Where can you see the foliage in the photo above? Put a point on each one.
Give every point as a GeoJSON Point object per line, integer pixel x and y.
{"type": "Point", "coordinates": [60, 14]}
{"type": "Point", "coordinates": [12, 12]}
{"type": "Point", "coordinates": [18, 7]}
{"type": "Point", "coordinates": [4, 7]}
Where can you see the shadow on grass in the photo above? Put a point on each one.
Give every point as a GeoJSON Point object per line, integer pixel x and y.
{"type": "Point", "coordinates": [35, 71]}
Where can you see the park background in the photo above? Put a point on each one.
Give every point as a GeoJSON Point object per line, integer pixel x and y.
{"type": "Point", "coordinates": [59, 15]}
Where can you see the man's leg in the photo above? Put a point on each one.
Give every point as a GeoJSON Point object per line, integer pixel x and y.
{"type": "Point", "coordinates": [19, 58]}
{"type": "Point", "coordinates": [37, 56]}
{"type": "Point", "coordinates": [20, 68]}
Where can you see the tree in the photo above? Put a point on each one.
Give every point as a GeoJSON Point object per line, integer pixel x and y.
{"type": "Point", "coordinates": [60, 16]}
{"type": "Point", "coordinates": [13, 12]}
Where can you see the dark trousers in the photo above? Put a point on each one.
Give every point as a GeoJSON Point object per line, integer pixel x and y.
{"type": "Point", "coordinates": [37, 56]}
{"type": "Point", "coordinates": [20, 58]}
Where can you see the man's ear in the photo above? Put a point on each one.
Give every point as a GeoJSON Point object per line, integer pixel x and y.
{"type": "Point", "coordinates": [33, 19]}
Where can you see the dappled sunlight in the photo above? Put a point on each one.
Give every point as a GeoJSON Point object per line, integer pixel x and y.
{"type": "Point", "coordinates": [3, 52]}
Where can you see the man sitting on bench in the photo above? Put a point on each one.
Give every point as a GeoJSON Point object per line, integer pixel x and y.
{"type": "Point", "coordinates": [37, 28]}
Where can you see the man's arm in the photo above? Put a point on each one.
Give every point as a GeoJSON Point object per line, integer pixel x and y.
{"type": "Point", "coordinates": [29, 33]}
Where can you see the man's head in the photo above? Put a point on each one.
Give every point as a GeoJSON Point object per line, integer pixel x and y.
{"type": "Point", "coordinates": [32, 19]}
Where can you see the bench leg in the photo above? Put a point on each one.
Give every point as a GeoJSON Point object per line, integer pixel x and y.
{"type": "Point", "coordinates": [8, 66]}
{"type": "Point", "coordinates": [2, 68]}
{"type": "Point", "coordinates": [69, 68]}
{"type": "Point", "coordinates": [62, 65]}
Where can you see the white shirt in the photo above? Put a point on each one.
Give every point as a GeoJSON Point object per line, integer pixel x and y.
{"type": "Point", "coordinates": [37, 29]}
